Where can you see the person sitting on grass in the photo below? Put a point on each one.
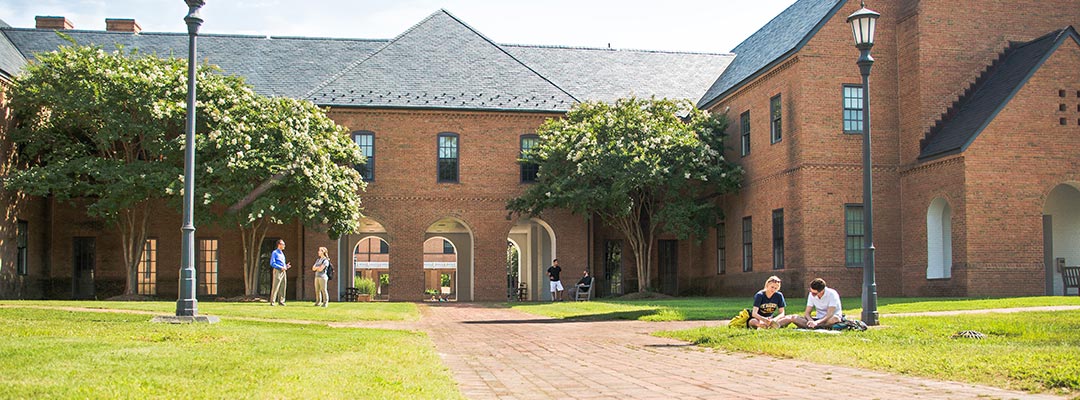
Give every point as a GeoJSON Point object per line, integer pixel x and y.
{"type": "Point", "coordinates": [826, 302]}
{"type": "Point", "coordinates": [769, 306]}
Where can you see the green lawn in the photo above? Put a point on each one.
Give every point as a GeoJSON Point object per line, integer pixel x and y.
{"type": "Point", "coordinates": [1032, 351]}
{"type": "Point", "coordinates": [51, 353]}
{"type": "Point", "coordinates": [713, 308]}
{"type": "Point", "coordinates": [296, 310]}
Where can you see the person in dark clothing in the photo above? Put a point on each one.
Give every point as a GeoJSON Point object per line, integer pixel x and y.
{"type": "Point", "coordinates": [553, 276]}
{"type": "Point", "coordinates": [585, 280]}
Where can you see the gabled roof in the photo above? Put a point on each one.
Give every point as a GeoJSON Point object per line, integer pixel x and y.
{"type": "Point", "coordinates": [771, 45]}
{"type": "Point", "coordinates": [442, 63]}
{"type": "Point", "coordinates": [275, 66]}
{"type": "Point", "coordinates": [11, 61]}
{"type": "Point", "coordinates": [974, 111]}
{"type": "Point", "coordinates": [607, 74]}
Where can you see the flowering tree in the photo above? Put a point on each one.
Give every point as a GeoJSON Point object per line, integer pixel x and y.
{"type": "Point", "coordinates": [640, 165]}
{"type": "Point", "coordinates": [106, 128]}
{"type": "Point", "coordinates": [284, 160]}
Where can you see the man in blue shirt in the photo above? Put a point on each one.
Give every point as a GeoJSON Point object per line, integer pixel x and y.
{"type": "Point", "coordinates": [278, 264]}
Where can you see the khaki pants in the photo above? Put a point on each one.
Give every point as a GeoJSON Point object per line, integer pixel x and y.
{"type": "Point", "coordinates": [277, 293]}
{"type": "Point", "coordinates": [321, 294]}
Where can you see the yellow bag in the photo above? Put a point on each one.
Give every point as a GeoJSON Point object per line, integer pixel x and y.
{"type": "Point", "coordinates": [740, 319]}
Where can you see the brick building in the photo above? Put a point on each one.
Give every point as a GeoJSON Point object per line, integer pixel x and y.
{"type": "Point", "coordinates": [976, 126]}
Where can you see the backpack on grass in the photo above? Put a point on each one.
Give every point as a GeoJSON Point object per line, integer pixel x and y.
{"type": "Point", "coordinates": [740, 320]}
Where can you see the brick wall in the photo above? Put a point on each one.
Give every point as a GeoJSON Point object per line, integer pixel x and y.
{"type": "Point", "coordinates": [406, 199]}
{"type": "Point", "coordinates": [1011, 168]}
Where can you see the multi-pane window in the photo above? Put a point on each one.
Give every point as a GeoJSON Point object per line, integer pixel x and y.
{"type": "Point", "coordinates": [147, 269]}
{"type": "Point", "coordinates": [384, 248]}
{"type": "Point", "coordinates": [775, 125]}
{"type": "Point", "coordinates": [528, 168]}
{"type": "Point", "coordinates": [853, 231]}
{"type": "Point", "coordinates": [448, 157]}
{"type": "Point", "coordinates": [208, 267]}
{"type": "Point", "coordinates": [721, 249]}
{"type": "Point", "coordinates": [853, 109]}
{"type": "Point", "coordinates": [747, 245]}
{"type": "Point", "coordinates": [447, 247]}
{"type": "Point", "coordinates": [778, 239]}
{"type": "Point", "coordinates": [744, 129]}
{"type": "Point", "coordinates": [22, 239]}
{"type": "Point", "coordinates": [366, 141]}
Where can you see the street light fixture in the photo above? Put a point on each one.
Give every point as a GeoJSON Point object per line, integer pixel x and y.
{"type": "Point", "coordinates": [863, 23]}
{"type": "Point", "coordinates": [187, 305]}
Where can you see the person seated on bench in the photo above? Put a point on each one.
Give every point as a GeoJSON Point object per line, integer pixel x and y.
{"type": "Point", "coordinates": [585, 280]}
{"type": "Point", "coordinates": [768, 311]}
{"type": "Point", "coordinates": [826, 301]}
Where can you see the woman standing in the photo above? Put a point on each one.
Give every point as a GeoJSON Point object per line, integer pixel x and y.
{"type": "Point", "coordinates": [321, 294]}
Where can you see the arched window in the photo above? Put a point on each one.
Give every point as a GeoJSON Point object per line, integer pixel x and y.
{"type": "Point", "coordinates": [448, 157]}
{"type": "Point", "coordinates": [366, 141]}
{"type": "Point", "coordinates": [939, 240]}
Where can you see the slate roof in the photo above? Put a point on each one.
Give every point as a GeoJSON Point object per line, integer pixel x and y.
{"type": "Point", "coordinates": [991, 92]}
{"type": "Point", "coordinates": [773, 43]}
{"type": "Point", "coordinates": [275, 66]}
{"type": "Point", "coordinates": [442, 63]}
{"type": "Point", "coordinates": [11, 61]}
{"type": "Point", "coordinates": [607, 74]}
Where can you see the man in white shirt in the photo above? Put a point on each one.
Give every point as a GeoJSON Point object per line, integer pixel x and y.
{"type": "Point", "coordinates": [826, 302]}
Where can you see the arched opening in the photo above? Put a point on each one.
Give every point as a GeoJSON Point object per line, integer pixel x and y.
{"type": "Point", "coordinates": [536, 248]}
{"type": "Point", "coordinates": [1061, 233]}
{"type": "Point", "coordinates": [371, 261]}
{"type": "Point", "coordinates": [513, 272]}
{"type": "Point", "coordinates": [440, 269]}
{"type": "Point", "coordinates": [939, 240]}
{"type": "Point", "coordinates": [448, 261]}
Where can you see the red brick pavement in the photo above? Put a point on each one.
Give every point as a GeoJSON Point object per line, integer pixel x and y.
{"type": "Point", "coordinates": [498, 353]}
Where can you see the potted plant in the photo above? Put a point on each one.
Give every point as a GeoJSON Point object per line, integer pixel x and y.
{"type": "Point", "coordinates": [365, 288]}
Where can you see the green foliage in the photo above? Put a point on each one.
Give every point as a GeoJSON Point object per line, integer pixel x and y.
{"type": "Point", "coordinates": [638, 165]}
{"type": "Point", "coordinates": [304, 158]}
{"type": "Point", "coordinates": [364, 285]}
{"type": "Point", "coordinates": [131, 358]}
{"type": "Point", "coordinates": [108, 129]}
{"type": "Point", "coordinates": [444, 279]}
{"type": "Point", "coordinates": [96, 125]}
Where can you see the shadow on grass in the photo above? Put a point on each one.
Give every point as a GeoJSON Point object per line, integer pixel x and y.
{"type": "Point", "coordinates": [612, 316]}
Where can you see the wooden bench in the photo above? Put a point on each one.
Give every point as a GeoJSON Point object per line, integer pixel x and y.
{"type": "Point", "coordinates": [1070, 278]}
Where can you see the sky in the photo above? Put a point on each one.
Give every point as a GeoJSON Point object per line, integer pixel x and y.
{"type": "Point", "coordinates": [710, 26]}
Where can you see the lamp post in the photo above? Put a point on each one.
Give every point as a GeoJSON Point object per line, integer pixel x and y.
{"type": "Point", "coordinates": [863, 23]}
{"type": "Point", "coordinates": [186, 305]}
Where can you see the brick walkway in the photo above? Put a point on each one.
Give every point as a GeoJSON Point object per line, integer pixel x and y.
{"type": "Point", "coordinates": [497, 353]}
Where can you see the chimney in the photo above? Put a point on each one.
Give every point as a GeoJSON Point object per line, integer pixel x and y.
{"type": "Point", "coordinates": [54, 23]}
{"type": "Point", "coordinates": [122, 25]}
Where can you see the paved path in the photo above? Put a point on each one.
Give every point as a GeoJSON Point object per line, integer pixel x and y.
{"type": "Point", "coordinates": [498, 353]}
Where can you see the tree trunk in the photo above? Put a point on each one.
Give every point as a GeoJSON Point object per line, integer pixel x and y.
{"type": "Point", "coordinates": [252, 237]}
{"type": "Point", "coordinates": [131, 223]}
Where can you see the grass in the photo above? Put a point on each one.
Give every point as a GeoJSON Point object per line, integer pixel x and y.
{"type": "Point", "coordinates": [53, 353]}
{"type": "Point", "coordinates": [297, 310]}
{"type": "Point", "coordinates": [715, 308]}
{"type": "Point", "coordinates": [1031, 351]}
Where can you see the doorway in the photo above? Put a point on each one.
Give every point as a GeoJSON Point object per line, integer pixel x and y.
{"type": "Point", "coordinates": [82, 276]}
{"type": "Point", "coordinates": [668, 253]}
